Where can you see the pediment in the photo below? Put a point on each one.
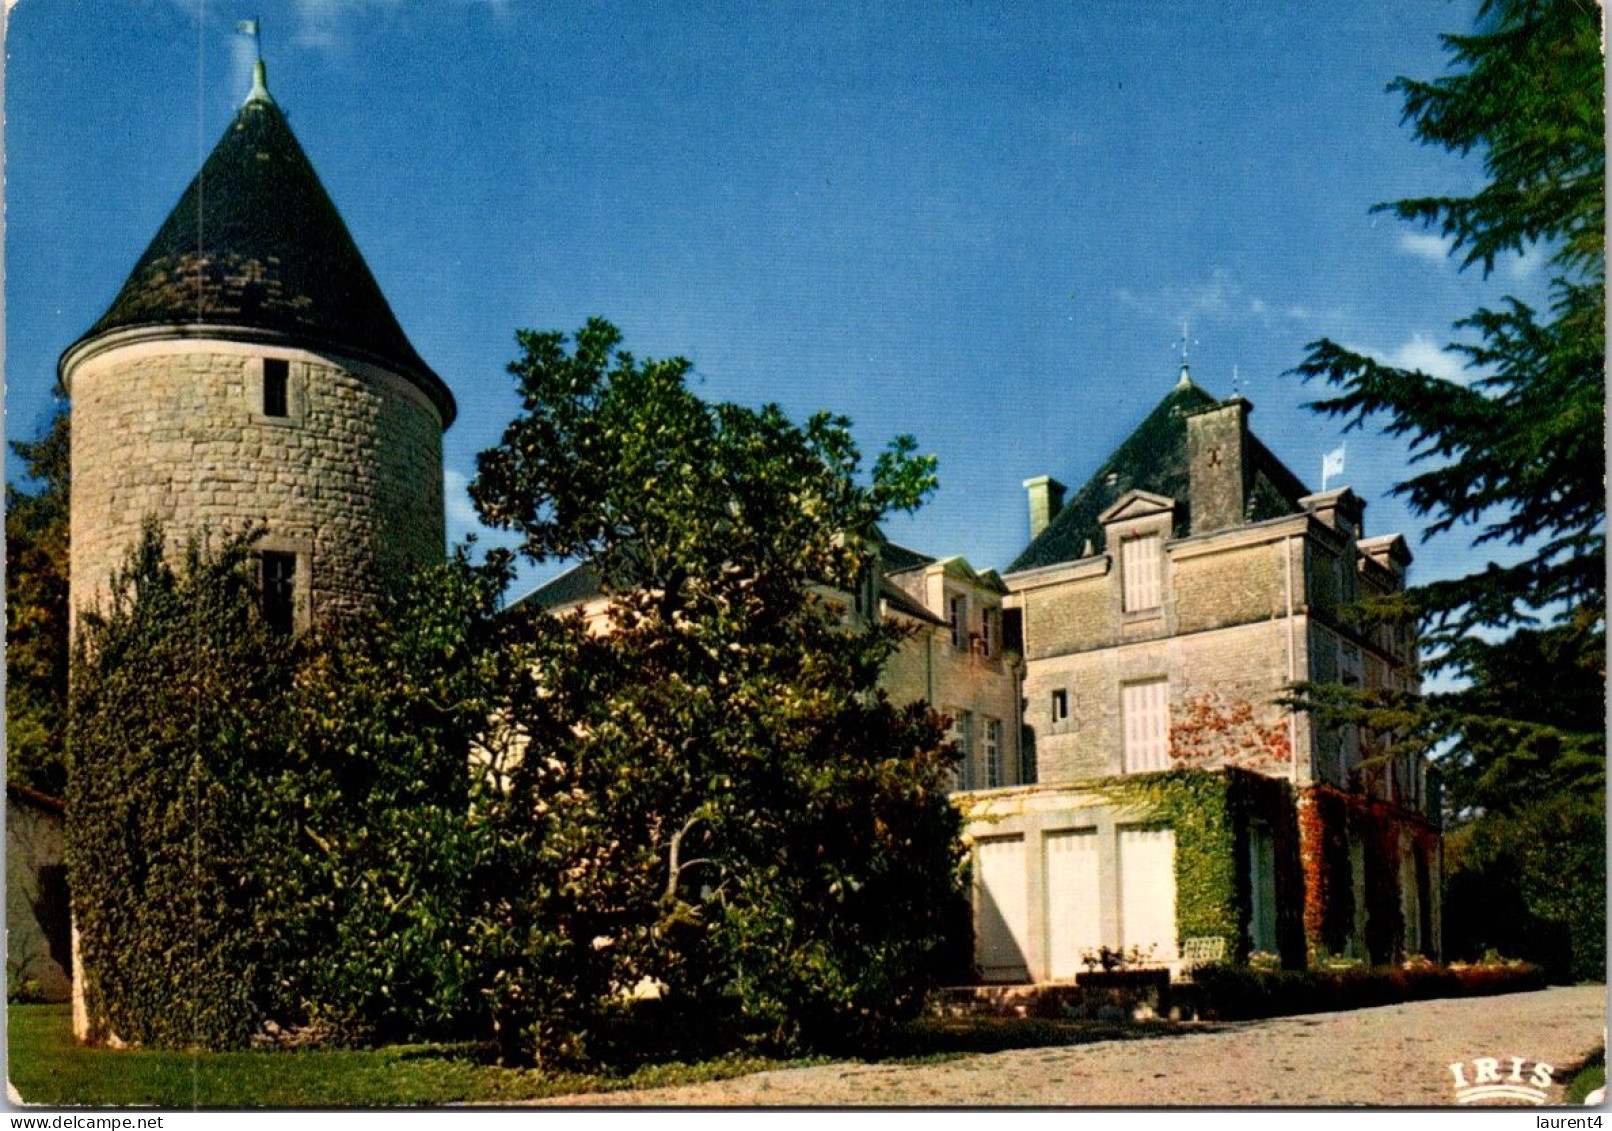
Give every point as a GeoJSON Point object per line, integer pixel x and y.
{"type": "Point", "coordinates": [1136, 504]}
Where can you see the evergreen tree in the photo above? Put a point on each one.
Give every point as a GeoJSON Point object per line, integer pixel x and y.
{"type": "Point", "coordinates": [36, 610]}
{"type": "Point", "coordinates": [1517, 454]}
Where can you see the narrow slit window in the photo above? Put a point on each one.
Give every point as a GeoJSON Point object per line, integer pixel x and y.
{"type": "Point", "coordinates": [280, 591]}
{"type": "Point", "coordinates": [276, 377]}
{"type": "Point", "coordinates": [1060, 705]}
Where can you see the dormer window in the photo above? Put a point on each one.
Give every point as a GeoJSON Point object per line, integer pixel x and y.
{"type": "Point", "coordinates": [276, 379]}
{"type": "Point", "coordinates": [1140, 562]}
{"type": "Point", "coordinates": [990, 635]}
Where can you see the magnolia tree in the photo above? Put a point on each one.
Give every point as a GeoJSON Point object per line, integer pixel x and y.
{"type": "Point", "coordinates": [711, 800]}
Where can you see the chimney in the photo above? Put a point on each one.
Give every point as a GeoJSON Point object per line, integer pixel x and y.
{"type": "Point", "coordinates": [1217, 460]}
{"type": "Point", "coordinates": [1046, 500]}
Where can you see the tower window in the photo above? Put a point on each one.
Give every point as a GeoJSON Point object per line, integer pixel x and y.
{"type": "Point", "coordinates": [280, 590]}
{"type": "Point", "coordinates": [276, 374]}
{"type": "Point", "coordinates": [1060, 705]}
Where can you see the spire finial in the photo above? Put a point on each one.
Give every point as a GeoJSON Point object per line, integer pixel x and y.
{"type": "Point", "coordinates": [1186, 371]}
{"type": "Point", "coordinates": [260, 73]}
{"type": "Point", "coordinates": [260, 83]}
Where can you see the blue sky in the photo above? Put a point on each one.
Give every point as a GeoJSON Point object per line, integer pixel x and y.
{"type": "Point", "coordinates": [983, 224]}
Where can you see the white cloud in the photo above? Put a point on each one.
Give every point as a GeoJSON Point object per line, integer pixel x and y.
{"type": "Point", "coordinates": [1526, 264]}
{"type": "Point", "coordinates": [460, 510]}
{"type": "Point", "coordinates": [1426, 245]}
{"type": "Point", "coordinates": [1424, 355]}
{"type": "Point", "coordinates": [324, 24]}
{"type": "Point", "coordinates": [1218, 298]}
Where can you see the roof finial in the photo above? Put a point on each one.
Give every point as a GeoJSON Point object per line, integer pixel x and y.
{"type": "Point", "coordinates": [1186, 371]}
{"type": "Point", "coordinates": [260, 73]}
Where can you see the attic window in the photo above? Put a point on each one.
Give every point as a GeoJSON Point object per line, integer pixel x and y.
{"type": "Point", "coordinates": [1140, 566]}
{"type": "Point", "coordinates": [957, 614]}
{"type": "Point", "coordinates": [276, 374]}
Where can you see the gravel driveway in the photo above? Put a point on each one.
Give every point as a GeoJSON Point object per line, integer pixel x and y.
{"type": "Point", "coordinates": [1393, 1055]}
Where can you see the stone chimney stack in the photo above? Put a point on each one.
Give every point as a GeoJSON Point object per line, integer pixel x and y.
{"type": "Point", "coordinates": [1217, 455]}
{"type": "Point", "coordinates": [1046, 500]}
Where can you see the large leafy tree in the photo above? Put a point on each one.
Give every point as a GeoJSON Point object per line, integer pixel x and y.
{"type": "Point", "coordinates": [36, 609]}
{"type": "Point", "coordinates": [1515, 455]}
{"type": "Point", "coordinates": [727, 806]}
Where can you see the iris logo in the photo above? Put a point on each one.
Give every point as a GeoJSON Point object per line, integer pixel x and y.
{"type": "Point", "coordinates": [1489, 1079]}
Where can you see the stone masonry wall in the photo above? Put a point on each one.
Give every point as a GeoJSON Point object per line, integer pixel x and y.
{"type": "Point", "coordinates": [351, 478]}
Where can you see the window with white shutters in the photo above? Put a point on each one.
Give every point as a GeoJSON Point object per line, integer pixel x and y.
{"type": "Point", "coordinates": [1145, 717]}
{"type": "Point", "coordinates": [1140, 560]}
{"type": "Point", "coordinates": [993, 753]}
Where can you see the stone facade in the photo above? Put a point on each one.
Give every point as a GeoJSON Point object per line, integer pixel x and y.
{"type": "Point", "coordinates": [1166, 645]}
{"type": "Point", "coordinates": [963, 668]}
{"type": "Point", "coordinates": [350, 479]}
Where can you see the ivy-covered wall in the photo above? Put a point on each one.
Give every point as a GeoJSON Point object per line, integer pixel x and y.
{"type": "Point", "coordinates": [1328, 822]}
{"type": "Point", "coordinates": [1210, 812]}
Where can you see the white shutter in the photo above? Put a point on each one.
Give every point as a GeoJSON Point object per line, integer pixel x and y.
{"type": "Point", "coordinates": [1140, 562]}
{"type": "Point", "coordinates": [1147, 891]}
{"type": "Point", "coordinates": [1074, 921]}
{"type": "Point", "coordinates": [1145, 714]}
{"type": "Point", "coordinates": [1003, 915]}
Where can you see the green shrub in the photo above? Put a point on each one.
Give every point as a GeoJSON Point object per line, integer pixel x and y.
{"type": "Point", "coordinates": [1238, 993]}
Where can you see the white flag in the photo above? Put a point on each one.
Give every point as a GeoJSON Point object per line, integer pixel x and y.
{"type": "Point", "coordinates": [246, 27]}
{"type": "Point", "coordinates": [1331, 464]}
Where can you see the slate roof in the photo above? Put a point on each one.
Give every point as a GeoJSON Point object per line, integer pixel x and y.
{"type": "Point", "coordinates": [256, 242]}
{"type": "Point", "coordinates": [1154, 458]}
{"type": "Point", "coordinates": [581, 583]}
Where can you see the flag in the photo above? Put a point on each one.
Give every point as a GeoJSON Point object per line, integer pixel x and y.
{"type": "Point", "coordinates": [246, 27]}
{"type": "Point", "coordinates": [1331, 464]}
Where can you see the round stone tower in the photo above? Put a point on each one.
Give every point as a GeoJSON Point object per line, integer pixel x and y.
{"type": "Point", "coordinates": [251, 372]}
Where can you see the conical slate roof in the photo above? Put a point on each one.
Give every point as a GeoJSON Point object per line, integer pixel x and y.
{"type": "Point", "coordinates": [255, 243]}
{"type": "Point", "coordinates": [1154, 458]}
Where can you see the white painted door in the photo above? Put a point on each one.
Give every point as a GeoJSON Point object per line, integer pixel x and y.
{"type": "Point", "coordinates": [1074, 921]}
{"type": "Point", "coordinates": [1147, 891]}
{"type": "Point", "coordinates": [1002, 909]}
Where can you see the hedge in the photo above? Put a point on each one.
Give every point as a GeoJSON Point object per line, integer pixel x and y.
{"type": "Point", "coordinates": [1240, 993]}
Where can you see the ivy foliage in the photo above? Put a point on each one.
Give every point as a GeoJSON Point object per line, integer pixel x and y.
{"type": "Point", "coordinates": [177, 717]}
{"type": "Point", "coordinates": [1210, 812]}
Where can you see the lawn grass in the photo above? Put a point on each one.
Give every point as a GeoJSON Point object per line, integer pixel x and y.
{"type": "Point", "coordinates": [48, 1067]}
{"type": "Point", "coordinates": [1590, 1076]}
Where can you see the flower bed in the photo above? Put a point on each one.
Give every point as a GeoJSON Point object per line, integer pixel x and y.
{"type": "Point", "coordinates": [1236, 993]}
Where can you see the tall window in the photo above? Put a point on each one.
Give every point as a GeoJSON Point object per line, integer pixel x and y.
{"type": "Point", "coordinates": [280, 590]}
{"type": "Point", "coordinates": [963, 736]}
{"type": "Point", "coordinates": [276, 375]}
{"type": "Point", "coordinates": [1060, 705]}
{"type": "Point", "coordinates": [957, 613]}
{"type": "Point", "coordinates": [993, 753]}
{"type": "Point", "coordinates": [989, 636]}
{"type": "Point", "coordinates": [1140, 560]}
{"type": "Point", "coordinates": [1145, 716]}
